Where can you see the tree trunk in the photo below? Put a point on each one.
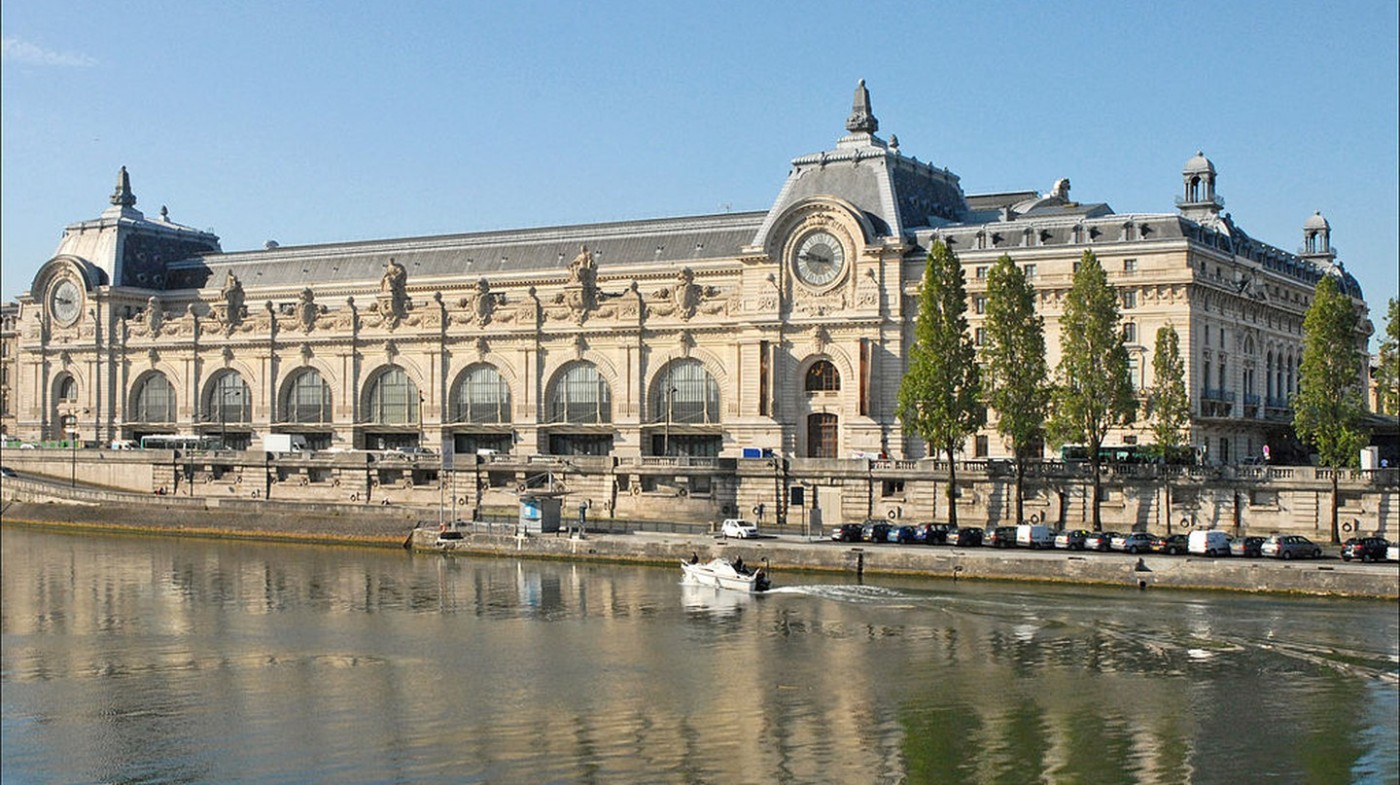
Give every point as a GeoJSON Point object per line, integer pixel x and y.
{"type": "Point", "coordinates": [1020, 480]}
{"type": "Point", "coordinates": [1336, 533]}
{"type": "Point", "coordinates": [1094, 466]}
{"type": "Point", "coordinates": [952, 489]}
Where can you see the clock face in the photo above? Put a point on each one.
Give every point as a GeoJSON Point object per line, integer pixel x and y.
{"type": "Point", "coordinates": [820, 259]}
{"type": "Point", "coordinates": [65, 303]}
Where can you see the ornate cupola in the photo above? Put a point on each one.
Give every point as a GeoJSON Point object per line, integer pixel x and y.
{"type": "Point", "coordinates": [1198, 200]}
{"type": "Point", "coordinates": [1317, 239]}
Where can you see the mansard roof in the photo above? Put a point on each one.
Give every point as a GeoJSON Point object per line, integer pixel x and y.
{"type": "Point", "coordinates": [538, 252]}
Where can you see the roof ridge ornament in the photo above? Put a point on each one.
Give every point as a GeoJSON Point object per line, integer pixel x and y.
{"type": "Point", "coordinates": [123, 197]}
{"type": "Point", "coordinates": [861, 119]}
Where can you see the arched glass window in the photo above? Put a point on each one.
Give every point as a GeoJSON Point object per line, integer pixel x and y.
{"type": "Point", "coordinates": [580, 395]}
{"type": "Point", "coordinates": [482, 397]}
{"type": "Point", "coordinates": [686, 393]}
{"type": "Point", "coordinates": [823, 377]}
{"type": "Point", "coordinates": [308, 399]}
{"type": "Point", "coordinates": [155, 400]}
{"type": "Point", "coordinates": [68, 389]}
{"type": "Point", "coordinates": [230, 400]}
{"type": "Point", "coordinates": [393, 399]}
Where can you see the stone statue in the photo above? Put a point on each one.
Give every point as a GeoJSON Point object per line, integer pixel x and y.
{"type": "Point", "coordinates": [154, 315]}
{"type": "Point", "coordinates": [582, 269]}
{"type": "Point", "coordinates": [306, 309]}
{"type": "Point", "coordinates": [1061, 189]}
{"type": "Point", "coordinates": [233, 300]}
{"type": "Point", "coordinates": [393, 298]}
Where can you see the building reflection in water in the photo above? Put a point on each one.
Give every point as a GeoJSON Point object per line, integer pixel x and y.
{"type": "Point", "coordinates": [148, 659]}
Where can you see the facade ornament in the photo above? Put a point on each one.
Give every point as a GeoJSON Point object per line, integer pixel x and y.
{"type": "Point", "coordinates": [580, 346]}
{"type": "Point", "coordinates": [391, 350]}
{"type": "Point", "coordinates": [862, 120]}
{"type": "Point", "coordinates": [581, 292]}
{"type": "Point", "coordinates": [123, 197]}
{"type": "Point", "coordinates": [233, 308]}
{"type": "Point", "coordinates": [822, 338]}
{"type": "Point", "coordinates": [152, 356]}
{"type": "Point", "coordinates": [482, 347]}
{"type": "Point", "coordinates": [306, 309]}
{"type": "Point", "coordinates": [483, 303]}
{"type": "Point", "coordinates": [306, 354]}
{"type": "Point", "coordinates": [393, 295]}
{"type": "Point", "coordinates": [227, 355]}
{"type": "Point", "coordinates": [155, 315]}
{"type": "Point", "coordinates": [685, 294]}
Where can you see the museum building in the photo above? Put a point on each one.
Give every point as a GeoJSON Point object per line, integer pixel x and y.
{"type": "Point", "coordinates": [784, 330]}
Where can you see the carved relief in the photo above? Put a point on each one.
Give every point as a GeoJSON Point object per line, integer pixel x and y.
{"type": "Point", "coordinates": [307, 310]}
{"type": "Point", "coordinates": [868, 291]}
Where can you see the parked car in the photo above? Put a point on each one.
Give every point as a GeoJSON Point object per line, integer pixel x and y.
{"type": "Point", "coordinates": [737, 527]}
{"type": "Point", "coordinates": [967, 537]}
{"type": "Point", "coordinates": [934, 533]}
{"type": "Point", "coordinates": [1072, 539]}
{"type": "Point", "coordinates": [1208, 542]}
{"type": "Point", "coordinates": [874, 531]}
{"type": "Point", "coordinates": [846, 532]}
{"type": "Point", "coordinates": [1000, 537]}
{"type": "Point", "coordinates": [1099, 541]}
{"type": "Point", "coordinates": [1392, 553]}
{"type": "Point", "coordinates": [1131, 542]}
{"type": "Point", "coordinates": [1365, 548]}
{"type": "Point", "coordinates": [900, 534]}
{"type": "Point", "coordinates": [1171, 544]}
{"type": "Point", "coordinates": [1247, 546]}
{"type": "Point", "coordinates": [6, 471]}
{"type": "Point", "coordinates": [1290, 546]}
{"type": "Point", "coordinates": [1034, 535]}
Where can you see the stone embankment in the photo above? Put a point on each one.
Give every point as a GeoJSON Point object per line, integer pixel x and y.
{"type": "Point", "coordinates": [396, 527]}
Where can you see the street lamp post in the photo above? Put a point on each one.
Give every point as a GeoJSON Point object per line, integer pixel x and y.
{"type": "Point", "coordinates": [73, 453]}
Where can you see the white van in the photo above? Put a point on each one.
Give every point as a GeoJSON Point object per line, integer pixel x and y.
{"type": "Point", "coordinates": [1208, 542]}
{"type": "Point", "coordinates": [123, 444]}
{"type": "Point", "coordinates": [1034, 535]}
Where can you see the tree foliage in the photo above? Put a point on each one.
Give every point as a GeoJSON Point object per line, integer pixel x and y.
{"type": "Point", "coordinates": [1093, 391]}
{"type": "Point", "coordinates": [1016, 373]}
{"type": "Point", "coordinates": [940, 396]}
{"type": "Point", "coordinates": [1328, 406]}
{"type": "Point", "coordinates": [1388, 361]}
{"type": "Point", "coordinates": [1168, 403]}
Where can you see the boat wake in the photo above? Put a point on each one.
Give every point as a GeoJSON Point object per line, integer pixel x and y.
{"type": "Point", "coordinates": [852, 593]}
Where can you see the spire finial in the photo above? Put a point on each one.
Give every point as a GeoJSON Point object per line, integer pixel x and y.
{"type": "Point", "coordinates": [123, 197]}
{"type": "Point", "coordinates": [861, 119]}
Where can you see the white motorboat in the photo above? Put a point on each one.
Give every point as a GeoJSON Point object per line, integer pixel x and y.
{"type": "Point", "coordinates": [726, 575]}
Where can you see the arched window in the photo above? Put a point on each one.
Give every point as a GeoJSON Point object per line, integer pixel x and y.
{"type": "Point", "coordinates": [482, 397]}
{"type": "Point", "coordinates": [393, 399]}
{"type": "Point", "coordinates": [580, 395]}
{"type": "Point", "coordinates": [308, 399]}
{"type": "Point", "coordinates": [685, 393]}
{"type": "Point", "coordinates": [230, 400]}
{"type": "Point", "coordinates": [68, 389]}
{"type": "Point", "coordinates": [155, 400]}
{"type": "Point", "coordinates": [823, 377]}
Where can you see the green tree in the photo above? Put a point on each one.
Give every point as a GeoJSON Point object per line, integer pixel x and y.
{"type": "Point", "coordinates": [1093, 391]}
{"type": "Point", "coordinates": [1168, 404]}
{"type": "Point", "coordinates": [940, 396]}
{"type": "Point", "coordinates": [1328, 406]}
{"type": "Point", "coordinates": [1388, 361]}
{"type": "Point", "coordinates": [1016, 373]}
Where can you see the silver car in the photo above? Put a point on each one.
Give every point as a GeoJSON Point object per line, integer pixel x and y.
{"type": "Point", "coordinates": [1290, 546]}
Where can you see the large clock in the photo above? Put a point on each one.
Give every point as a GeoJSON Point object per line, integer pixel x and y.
{"type": "Point", "coordinates": [820, 259]}
{"type": "Point", "coordinates": [65, 302]}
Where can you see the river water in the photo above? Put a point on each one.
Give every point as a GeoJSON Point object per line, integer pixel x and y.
{"type": "Point", "coordinates": [148, 660]}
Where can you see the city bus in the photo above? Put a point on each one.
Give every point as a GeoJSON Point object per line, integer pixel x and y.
{"type": "Point", "coordinates": [178, 441]}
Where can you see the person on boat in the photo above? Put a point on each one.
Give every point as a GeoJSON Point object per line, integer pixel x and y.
{"type": "Point", "coordinates": [694, 557]}
{"type": "Point", "coordinates": [739, 566]}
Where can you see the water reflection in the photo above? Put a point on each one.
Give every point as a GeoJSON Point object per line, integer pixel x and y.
{"type": "Point", "coordinates": [141, 660]}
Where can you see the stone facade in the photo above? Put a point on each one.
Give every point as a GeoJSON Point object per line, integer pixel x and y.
{"type": "Point", "coordinates": [686, 338]}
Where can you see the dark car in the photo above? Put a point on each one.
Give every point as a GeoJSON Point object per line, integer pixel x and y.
{"type": "Point", "coordinates": [1100, 541]}
{"type": "Point", "coordinates": [934, 533]}
{"type": "Point", "coordinates": [1249, 547]}
{"type": "Point", "coordinates": [969, 537]}
{"type": "Point", "coordinates": [900, 534]}
{"type": "Point", "coordinates": [1365, 548]}
{"type": "Point", "coordinates": [846, 532]}
{"type": "Point", "coordinates": [874, 531]}
{"type": "Point", "coordinates": [1000, 537]}
{"type": "Point", "coordinates": [1071, 539]}
{"type": "Point", "coordinates": [1172, 544]}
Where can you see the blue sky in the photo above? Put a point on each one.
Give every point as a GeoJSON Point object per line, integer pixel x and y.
{"type": "Point", "coordinates": [320, 122]}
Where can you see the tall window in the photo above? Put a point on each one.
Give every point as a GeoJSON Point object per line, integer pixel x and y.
{"type": "Point", "coordinates": [68, 389]}
{"type": "Point", "coordinates": [393, 399]}
{"type": "Point", "coordinates": [580, 395]}
{"type": "Point", "coordinates": [482, 397]}
{"type": "Point", "coordinates": [308, 398]}
{"type": "Point", "coordinates": [155, 400]}
{"type": "Point", "coordinates": [823, 377]}
{"type": "Point", "coordinates": [1130, 332]}
{"type": "Point", "coordinates": [229, 399]}
{"type": "Point", "coordinates": [821, 436]}
{"type": "Point", "coordinates": [685, 392]}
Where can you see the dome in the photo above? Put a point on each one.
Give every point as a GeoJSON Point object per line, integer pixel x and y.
{"type": "Point", "coordinates": [1198, 164]}
{"type": "Point", "coordinates": [1316, 221]}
